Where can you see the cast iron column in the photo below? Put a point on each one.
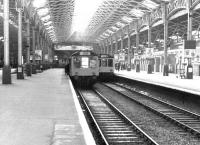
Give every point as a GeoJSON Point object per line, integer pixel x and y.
{"type": "Point", "coordinates": [116, 45]}
{"type": "Point", "coordinates": [111, 46]}
{"type": "Point", "coordinates": [122, 43]}
{"type": "Point", "coordinates": [28, 65]}
{"type": "Point", "coordinates": [165, 21]}
{"type": "Point", "coordinates": [129, 49]}
{"type": "Point", "coordinates": [6, 77]}
{"type": "Point", "coordinates": [189, 27]}
{"type": "Point", "coordinates": [33, 49]}
{"type": "Point", "coordinates": [20, 72]}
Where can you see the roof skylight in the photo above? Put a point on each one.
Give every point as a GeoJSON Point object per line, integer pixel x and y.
{"type": "Point", "coordinates": [39, 3]}
{"type": "Point", "coordinates": [83, 12]}
{"type": "Point", "coordinates": [45, 18]}
{"type": "Point", "coordinates": [126, 19]}
{"type": "Point", "coordinates": [137, 12]}
{"type": "Point", "coordinates": [150, 4]}
{"type": "Point", "coordinates": [43, 12]}
{"type": "Point", "coordinates": [115, 28]}
{"type": "Point", "coordinates": [120, 24]}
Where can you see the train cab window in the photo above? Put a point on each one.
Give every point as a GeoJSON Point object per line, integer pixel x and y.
{"type": "Point", "coordinates": [77, 62]}
{"type": "Point", "coordinates": [104, 62]}
{"type": "Point", "coordinates": [84, 62]}
{"type": "Point", "coordinates": [110, 62]}
{"type": "Point", "coordinates": [93, 63]}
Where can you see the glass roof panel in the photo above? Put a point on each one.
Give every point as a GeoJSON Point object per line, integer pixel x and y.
{"type": "Point", "coordinates": [120, 24]}
{"type": "Point", "coordinates": [45, 18]}
{"type": "Point", "coordinates": [150, 4]}
{"type": "Point", "coordinates": [42, 12]}
{"type": "Point", "coordinates": [39, 3]}
{"type": "Point", "coordinates": [83, 12]}
{"type": "Point", "coordinates": [114, 28]}
{"type": "Point", "coordinates": [127, 19]}
{"type": "Point", "coordinates": [137, 12]}
{"type": "Point", "coordinates": [48, 23]}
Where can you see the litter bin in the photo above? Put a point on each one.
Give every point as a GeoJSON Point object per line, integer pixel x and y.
{"type": "Point", "coordinates": [137, 68]}
{"type": "Point", "coordinates": [189, 72]}
{"type": "Point", "coordinates": [149, 69]}
{"type": "Point", "coordinates": [28, 69]}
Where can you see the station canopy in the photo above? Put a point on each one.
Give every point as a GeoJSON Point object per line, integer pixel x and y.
{"type": "Point", "coordinates": [88, 20]}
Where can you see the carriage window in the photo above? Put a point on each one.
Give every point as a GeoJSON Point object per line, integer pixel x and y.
{"type": "Point", "coordinates": [110, 62]}
{"type": "Point", "coordinates": [104, 62]}
{"type": "Point", "coordinates": [93, 63]}
{"type": "Point", "coordinates": [77, 62]}
{"type": "Point", "coordinates": [84, 62]}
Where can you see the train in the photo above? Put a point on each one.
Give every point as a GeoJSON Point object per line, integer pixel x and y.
{"type": "Point", "coordinates": [84, 67]}
{"type": "Point", "coordinates": [106, 67]}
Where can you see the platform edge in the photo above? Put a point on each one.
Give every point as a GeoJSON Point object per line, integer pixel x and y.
{"type": "Point", "coordinates": [85, 128]}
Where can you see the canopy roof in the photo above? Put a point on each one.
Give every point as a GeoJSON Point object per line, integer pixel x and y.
{"type": "Point", "coordinates": [111, 15]}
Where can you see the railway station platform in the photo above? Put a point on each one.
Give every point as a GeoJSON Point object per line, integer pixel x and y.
{"type": "Point", "coordinates": [42, 110]}
{"type": "Point", "coordinates": [172, 81]}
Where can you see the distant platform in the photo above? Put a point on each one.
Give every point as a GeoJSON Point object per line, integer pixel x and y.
{"type": "Point", "coordinates": [172, 81]}
{"type": "Point", "coordinates": [42, 110]}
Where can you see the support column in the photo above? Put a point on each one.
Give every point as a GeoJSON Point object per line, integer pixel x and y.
{"type": "Point", "coordinates": [107, 46]}
{"type": "Point", "coordinates": [116, 45]}
{"type": "Point", "coordinates": [103, 50]}
{"type": "Point", "coordinates": [149, 31]}
{"type": "Point", "coordinates": [28, 65]}
{"type": "Point", "coordinates": [33, 49]}
{"type": "Point", "coordinates": [111, 46]}
{"type": "Point", "coordinates": [137, 47]}
{"type": "Point", "coordinates": [122, 44]}
{"type": "Point", "coordinates": [6, 75]}
{"type": "Point", "coordinates": [149, 37]}
{"type": "Point", "coordinates": [129, 49]}
{"type": "Point", "coordinates": [189, 27]}
{"type": "Point", "coordinates": [165, 21]}
{"type": "Point", "coordinates": [20, 72]}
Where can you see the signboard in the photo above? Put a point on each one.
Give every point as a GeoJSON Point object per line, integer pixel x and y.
{"type": "Point", "coordinates": [46, 56]}
{"type": "Point", "coordinates": [38, 54]}
{"type": "Point", "coordinates": [121, 56]}
{"type": "Point", "coordinates": [85, 53]}
{"type": "Point", "coordinates": [116, 57]}
{"type": "Point", "coordinates": [73, 47]}
{"type": "Point", "coordinates": [189, 44]}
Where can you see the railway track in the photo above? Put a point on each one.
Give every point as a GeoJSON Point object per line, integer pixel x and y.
{"type": "Point", "coordinates": [115, 128]}
{"type": "Point", "coordinates": [185, 119]}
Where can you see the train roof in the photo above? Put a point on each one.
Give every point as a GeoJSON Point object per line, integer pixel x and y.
{"type": "Point", "coordinates": [84, 53]}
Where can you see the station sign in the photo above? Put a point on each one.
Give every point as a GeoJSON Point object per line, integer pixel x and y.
{"type": "Point", "coordinates": [121, 56]}
{"type": "Point", "coordinates": [38, 54]}
{"type": "Point", "coordinates": [73, 47]}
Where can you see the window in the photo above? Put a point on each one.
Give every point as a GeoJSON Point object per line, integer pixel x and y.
{"type": "Point", "coordinates": [104, 62]}
{"type": "Point", "coordinates": [76, 61]}
{"type": "Point", "coordinates": [84, 62]}
{"type": "Point", "coordinates": [93, 63]}
{"type": "Point", "coordinates": [110, 62]}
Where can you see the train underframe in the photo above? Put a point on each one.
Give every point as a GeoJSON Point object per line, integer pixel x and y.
{"type": "Point", "coordinates": [84, 81]}
{"type": "Point", "coordinates": [106, 76]}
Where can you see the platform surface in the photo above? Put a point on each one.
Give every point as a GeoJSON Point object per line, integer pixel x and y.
{"type": "Point", "coordinates": [41, 110]}
{"type": "Point", "coordinates": [172, 81]}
